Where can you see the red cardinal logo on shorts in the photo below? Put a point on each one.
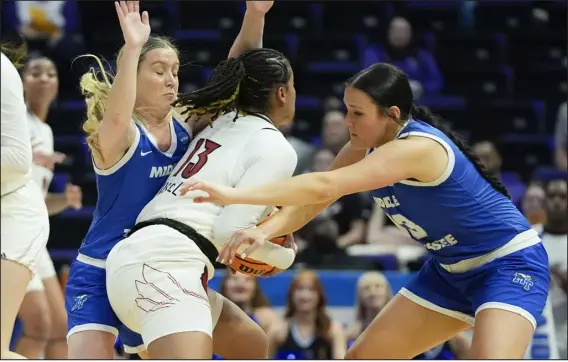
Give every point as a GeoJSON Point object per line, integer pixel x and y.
{"type": "Point", "coordinates": [150, 296]}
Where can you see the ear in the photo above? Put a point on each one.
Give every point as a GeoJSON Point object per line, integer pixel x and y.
{"type": "Point", "coordinates": [281, 94]}
{"type": "Point", "coordinates": [394, 111]}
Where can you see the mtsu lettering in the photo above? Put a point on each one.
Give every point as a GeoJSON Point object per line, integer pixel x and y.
{"type": "Point", "coordinates": [161, 171]}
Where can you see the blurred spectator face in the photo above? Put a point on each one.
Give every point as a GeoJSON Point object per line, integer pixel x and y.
{"type": "Point", "coordinates": [239, 288]}
{"type": "Point", "coordinates": [373, 290]}
{"type": "Point", "coordinates": [158, 82]}
{"type": "Point", "coordinates": [305, 293]}
{"type": "Point", "coordinates": [322, 160]}
{"type": "Point", "coordinates": [332, 104]}
{"type": "Point", "coordinates": [399, 32]}
{"type": "Point", "coordinates": [488, 155]}
{"type": "Point", "coordinates": [556, 202]}
{"type": "Point", "coordinates": [40, 81]}
{"type": "Point", "coordinates": [334, 133]}
{"type": "Point", "coordinates": [533, 204]}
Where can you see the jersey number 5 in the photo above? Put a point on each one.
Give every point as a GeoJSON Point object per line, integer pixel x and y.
{"type": "Point", "coordinates": [188, 168]}
{"type": "Point", "coordinates": [415, 231]}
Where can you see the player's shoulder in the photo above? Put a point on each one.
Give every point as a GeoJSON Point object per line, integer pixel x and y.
{"type": "Point", "coordinates": [10, 76]}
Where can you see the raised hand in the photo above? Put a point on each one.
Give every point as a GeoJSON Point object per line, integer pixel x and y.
{"type": "Point", "coordinates": [259, 6]}
{"type": "Point", "coordinates": [135, 27]}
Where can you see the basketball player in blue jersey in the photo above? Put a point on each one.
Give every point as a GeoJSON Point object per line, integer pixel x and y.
{"type": "Point", "coordinates": [488, 266]}
{"type": "Point", "coordinates": [135, 143]}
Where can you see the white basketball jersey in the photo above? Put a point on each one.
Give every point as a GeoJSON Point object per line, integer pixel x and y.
{"type": "Point", "coordinates": [41, 137]}
{"type": "Point", "coordinates": [216, 155]}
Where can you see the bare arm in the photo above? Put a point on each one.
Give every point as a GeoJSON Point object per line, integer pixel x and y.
{"type": "Point", "coordinates": [116, 130]}
{"type": "Point", "coordinates": [292, 218]}
{"type": "Point", "coordinates": [416, 157]}
{"type": "Point", "coordinates": [252, 30]}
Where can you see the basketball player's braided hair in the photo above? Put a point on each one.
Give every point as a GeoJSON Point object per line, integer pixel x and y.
{"type": "Point", "coordinates": [243, 83]}
{"type": "Point", "coordinates": [423, 114]}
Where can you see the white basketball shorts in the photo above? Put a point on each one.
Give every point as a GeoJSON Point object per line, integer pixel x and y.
{"type": "Point", "coordinates": [45, 269]}
{"type": "Point", "coordinates": [157, 283]}
{"type": "Point", "coordinates": [24, 225]}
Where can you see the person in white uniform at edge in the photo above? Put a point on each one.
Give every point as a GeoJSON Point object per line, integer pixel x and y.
{"type": "Point", "coordinates": [157, 276]}
{"type": "Point", "coordinates": [43, 310]}
{"type": "Point", "coordinates": [24, 220]}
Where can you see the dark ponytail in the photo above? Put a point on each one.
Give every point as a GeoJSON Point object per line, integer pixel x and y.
{"type": "Point", "coordinates": [219, 94]}
{"type": "Point", "coordinates": [423, 114]}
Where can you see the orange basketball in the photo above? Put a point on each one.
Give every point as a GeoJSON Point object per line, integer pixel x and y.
{"type": "Point", "coordinates": [252, 266]}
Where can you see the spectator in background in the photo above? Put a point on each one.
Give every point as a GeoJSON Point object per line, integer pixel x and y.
{"type": "Point", "coordinates": [334, 133]}
{"type": "Point", "coordinates": [373, 293]}
{"type": "Point", "coordinates": [244, 291]}
{"type": "Point", "coordinates": [491, 159]}
{"type": "Point", "coordinates": [303, 149]}
{"type": "Point", "coordinates": [349, 212]}
{"type": "Point", "coordinates": [533, 204]}
{"type": "Point", "coordinates": [50, 28]}
{"type": "Point", "coordinates": [400, 48]}
{"type": "Point", "coordinates": [309, 332]}
{"type": "Point", "coordinates": [554, 239]}
{"type": "Point", "coordinates": [560, 135]}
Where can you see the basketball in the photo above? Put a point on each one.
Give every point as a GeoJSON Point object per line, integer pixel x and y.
{"type": "Point", "coordinates": [252, 266]}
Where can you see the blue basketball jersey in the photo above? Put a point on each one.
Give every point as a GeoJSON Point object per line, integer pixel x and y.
{"type": "Point", "coordinates": [459, 215]}
{"type": "Point", "coordinates": [124, 189]}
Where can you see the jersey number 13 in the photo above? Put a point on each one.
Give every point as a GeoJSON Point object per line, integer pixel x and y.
{"type": "Point", "coordinates": [189, 168]}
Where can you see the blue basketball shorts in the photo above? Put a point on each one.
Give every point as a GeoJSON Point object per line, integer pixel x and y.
{"type": "Point", "coordinates": [88, 307]}
{"type": "Point", "coordinates": [517, 282]}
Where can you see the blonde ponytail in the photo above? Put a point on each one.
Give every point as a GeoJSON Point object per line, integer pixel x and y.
{"type": "Point", "coordinates": [96, 91]}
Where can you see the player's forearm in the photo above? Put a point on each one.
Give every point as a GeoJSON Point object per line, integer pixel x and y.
{"type": "Point", "coordinates": [291, 219]}
{"type": "Point", "coordinates": [250, 36]}
{"type": "Point", "coordinates": [55, 203]}
{"type": "Point", "coordinates": [117, 119]}
{"type": "Point", "coordinates": [306, 189]}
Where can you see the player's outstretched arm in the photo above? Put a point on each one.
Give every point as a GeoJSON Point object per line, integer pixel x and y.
{"type": "Point", "coordinates": [252, 30]}
{"type": "Point", "coordinates": [116, 125]}
{"type": "Point", "coordinates": [417, 157]}
{"type": "Point", "coordinates": [290, 218]}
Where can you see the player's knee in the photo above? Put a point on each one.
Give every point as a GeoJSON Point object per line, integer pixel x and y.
{"type": "Point", "coordinates": [37, 323]}
{"type": "Point", "coordinates": [58, 326]}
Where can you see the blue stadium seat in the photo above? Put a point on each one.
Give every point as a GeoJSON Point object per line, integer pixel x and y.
{"type": "Point", "coordinates": [224, 16]}
{"type": "Point", "coordinates": [293, 17]}
{"type": "Point", "coordinates": [455, 51]}
{"type": "Point", "coordinates": [478, 82]}
{"type": "Point", "coordinates": [332, 50]}
{"type": "Point", "coordinates": [495, 118]}
{"type": "Point", "coordinates": [359, 17]}
{"type": "Point", "coordinates": [522, 153]}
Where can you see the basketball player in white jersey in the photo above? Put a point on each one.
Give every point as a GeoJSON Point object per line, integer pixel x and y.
{"type": "Point", "coordinates": [42, 312]}
{"type": "Point", "coordinates": [24, 221]}
{"type": "Point", "coordinates": [157, 277]}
